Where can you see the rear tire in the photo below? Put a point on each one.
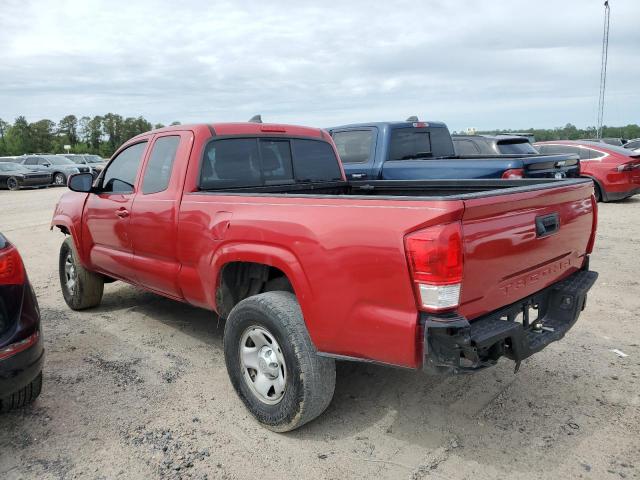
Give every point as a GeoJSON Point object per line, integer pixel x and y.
{"type": "Point", "coordinates": [81, 288]}
{"type": "Point", "coordinates": [12, 183]}
{"type": "Point", "coordinates": [597, 192]}
{"type": "Point", "coordinates": [308, 380]}
{"type": "Point", "coordinates": [22, 397]}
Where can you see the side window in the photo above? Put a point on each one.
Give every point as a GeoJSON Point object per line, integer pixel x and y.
{"type": "Point", "coordinates": [160, 164]}
{"type": "Point", "coordinates": [315, 161]}
{"type": "Point", "coordinates": [31, 161]}
{"type": "Point", "coordinates": [276, 161]}
{"type": "Point", "coordinates": [592, 154]}
{"type": "Point", "coordinates": [120, 175]}
{"type": "Point", "coordinates": [354, 146]}
{"type": "Point", "coordinates": [43, 161]}
{"type": "Point", "coordinates": [466, 147]}
{"type": "Point", "coordinates": [231, 163]}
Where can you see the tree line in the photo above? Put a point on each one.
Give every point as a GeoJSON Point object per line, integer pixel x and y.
{"type": "Point", "coordinates": [571, 132]}
{"type": "Point", "coordinates": [101, 134]}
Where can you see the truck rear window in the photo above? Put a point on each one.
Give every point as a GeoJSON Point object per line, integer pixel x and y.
{"type": "Point", "coordinates": [253, 162]}
{"type": "Point", "coordinates": [410, 143]}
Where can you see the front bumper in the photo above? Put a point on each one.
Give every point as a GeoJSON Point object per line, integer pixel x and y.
{"type": "Point", "coordinates": [452, 344]}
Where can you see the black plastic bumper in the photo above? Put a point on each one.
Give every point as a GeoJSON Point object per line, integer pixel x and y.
{"type": "Point", "coordinates": [616, 196]}
{"type": "Point", "coordinates": [19, 370]}
{"type": "Point", "coordinates": [452, 344]}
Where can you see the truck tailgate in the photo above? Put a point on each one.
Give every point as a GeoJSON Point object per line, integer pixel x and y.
{"type": "Point", "coordinates": [516, 244]}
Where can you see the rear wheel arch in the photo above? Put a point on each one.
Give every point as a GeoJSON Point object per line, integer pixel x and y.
{"type": "Point", "coordinates": [600, 193]}
{"type": "Point", "coordinates": [238, 280]}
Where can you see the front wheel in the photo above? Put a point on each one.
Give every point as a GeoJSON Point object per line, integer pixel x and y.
{"type": "Point", "coordinates": [59, 179]}
{"type": "Point", "coordinates": [12, 183]}
{"type": "Point", "coordinates": [272, 363]}
{"type": "Point", "coordinates": [81, 288]}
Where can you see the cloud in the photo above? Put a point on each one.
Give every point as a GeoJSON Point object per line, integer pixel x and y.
{"type": "Point", "coordinates": [483, 64]}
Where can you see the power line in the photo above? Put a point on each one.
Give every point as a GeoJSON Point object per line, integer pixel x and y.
{"type": "Point", "coordinates": [603, 69]}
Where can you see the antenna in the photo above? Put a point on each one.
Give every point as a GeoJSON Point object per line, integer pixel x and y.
{"type": "Point", "coordinates": [256, 119]}
{"type": "Point", "coordinates": [603, 69]}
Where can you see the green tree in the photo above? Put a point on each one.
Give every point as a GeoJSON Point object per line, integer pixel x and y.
{"type": "Point", "coordinates": [4, 128]}
{"type": "Point", "coordinates": [42, 134]}
{"type": "Point", "coordinates": [68, 128]}
{"type": "Point", "coordinates": [18, 137]}
{"type": "Point", "coordinates": [94, 133]}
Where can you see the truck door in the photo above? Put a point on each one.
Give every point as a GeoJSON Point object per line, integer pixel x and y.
{"type": "Point", "coordinates": [154, 222]}
{"type": "Point", "coordinates": [357, 148]}
{"type": "Point", "coordinates": [107, 214]}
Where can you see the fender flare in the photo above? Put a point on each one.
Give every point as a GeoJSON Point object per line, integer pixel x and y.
{"type": "Point", "coordinates": [63, 221]}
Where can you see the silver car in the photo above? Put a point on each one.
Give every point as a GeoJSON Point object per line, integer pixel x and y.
{"type": "Point", "coordinates": [60, 167]}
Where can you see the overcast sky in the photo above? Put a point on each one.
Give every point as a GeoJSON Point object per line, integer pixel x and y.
{"type": "Point", "coordinates": [483, 64]}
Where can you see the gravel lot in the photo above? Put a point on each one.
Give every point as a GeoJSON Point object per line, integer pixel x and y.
{"type": "Point", "coordinates": [137, 388]}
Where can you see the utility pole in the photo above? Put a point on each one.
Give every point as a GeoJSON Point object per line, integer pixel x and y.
{"type": "Point", "coordinates": [603, 69]}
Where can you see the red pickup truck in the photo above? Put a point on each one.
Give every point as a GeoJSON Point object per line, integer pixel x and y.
{"type": "Point", "coordinates": [257, 223]}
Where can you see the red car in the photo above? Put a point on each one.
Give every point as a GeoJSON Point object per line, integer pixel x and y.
{"type": "Point", "coordinates": [615, 171]}
{"type": "Point", "coordinates": [257, 223]}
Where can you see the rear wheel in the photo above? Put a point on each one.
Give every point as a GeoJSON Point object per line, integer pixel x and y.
{"type": "Point", "coordinates": [80, 288]}
{"type": "Point", "coordinates": [272, 363]}
{"type": "Point", "coordinates": [597, 192]}
{"type": "Point", "coordinates": [12, 183]}
{"type": "Point", "coordinates": [22, 397]}
{"type": "Point", "coordinates": [59, 179]}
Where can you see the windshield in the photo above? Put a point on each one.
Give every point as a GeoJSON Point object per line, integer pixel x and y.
{"type": "Point", "coordinates": [516, 147]}
{"type": "Point", "coordinates": [93, 159]}
{"type": "Point", "coordinates": [56, 160]}
{"type": "Point", "coordinates": [13, 167]}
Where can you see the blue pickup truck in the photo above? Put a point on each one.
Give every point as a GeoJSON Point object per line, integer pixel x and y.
{"type": "Point", "coordinates": [424, 150]}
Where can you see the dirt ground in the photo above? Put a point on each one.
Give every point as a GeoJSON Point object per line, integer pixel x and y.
{"type": "Point", "coordinates": [137, 388]}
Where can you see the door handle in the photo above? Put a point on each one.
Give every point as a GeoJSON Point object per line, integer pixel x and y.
{"type": "Point", "coordinates": [358, 175]}
{"type": "Point", "coordinates": [547, 224]}
{"type": "Point", "coordinates": [122, 213]}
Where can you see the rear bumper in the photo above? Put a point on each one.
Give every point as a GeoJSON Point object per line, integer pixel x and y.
{"type": "Point", "coordinates": [452, 344]}
{"type": "Point", "coordinates": [614, 196]}
{"type": "Point", "coordinates": [20, 369]}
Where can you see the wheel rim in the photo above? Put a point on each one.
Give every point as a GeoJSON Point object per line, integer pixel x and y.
{"type": "Point", "coordinates": [58, 179]}
{"type": "Point", "coordinates": [12, 184]}
{"type": "Point", "coordinates": [262, 363]}
{"type": "Point", "coordinates": [70, 274]}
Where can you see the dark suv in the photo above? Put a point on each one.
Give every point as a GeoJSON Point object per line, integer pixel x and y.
{"type": "Point", "coordinates": [492, 145]}
{"type": "Point", "coordinates": [21, 346]}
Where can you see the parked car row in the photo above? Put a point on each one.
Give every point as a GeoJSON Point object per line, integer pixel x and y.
{"type": "Point", "coordinates": [41, 170]}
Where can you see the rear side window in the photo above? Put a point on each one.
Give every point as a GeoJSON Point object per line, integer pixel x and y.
{"type": "Point", "coordinates": [466, 147]}
{"type": "Point", "coordinates": [315, 161]}
{"type": "Point", "coordinates": [229, 163]}
{"type": "Point", "coordinates": [410, 143]}
{"type": "Point", "coordinates": [160, 165]}
{"type": "Point", "coordinates": [515, 148]}
{"type": "Point", "coordinates": [354, 146]}
{"type": "Point", "coordinates": [120, 175]}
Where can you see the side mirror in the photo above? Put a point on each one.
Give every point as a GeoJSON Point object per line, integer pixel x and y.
{"type": "Point", "coordinates": [80, 182]}
{"type": "Point", "coordinates": [46, 164]}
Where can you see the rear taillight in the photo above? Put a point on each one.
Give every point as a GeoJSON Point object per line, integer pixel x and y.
{"type": "Point", "coordinates": [513, 173]}
{"type": "Point", "coordinates": [627, 167]}
{"type": "Point", "coordinates": [435, 264]}
{"type": "Point", "coordinates": [11, 268]}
